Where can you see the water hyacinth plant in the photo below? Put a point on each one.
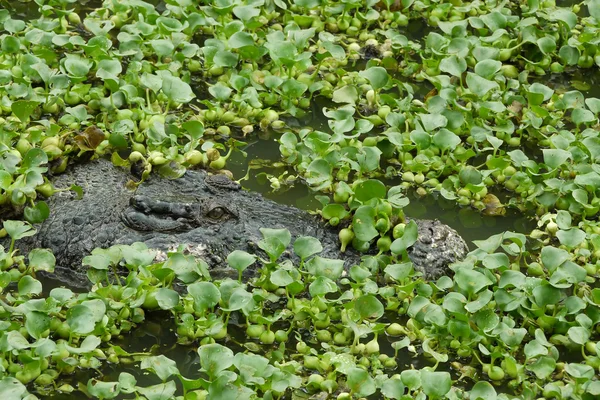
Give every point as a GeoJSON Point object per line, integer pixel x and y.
{"type": "Point", "coordinates": [489, 105]}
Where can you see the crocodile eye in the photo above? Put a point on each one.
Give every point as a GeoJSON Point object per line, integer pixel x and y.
{"type": "Point", "coordinates": [217, 213]}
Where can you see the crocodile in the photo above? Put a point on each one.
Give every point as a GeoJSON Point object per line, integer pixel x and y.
{"type": "Point", "coordinates": [208, 214]}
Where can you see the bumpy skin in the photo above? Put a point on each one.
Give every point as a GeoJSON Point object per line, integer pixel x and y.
{"type": "Point", "coordinates": [437, 247]}
{"type": "Point", "coordinates": [209, 213]}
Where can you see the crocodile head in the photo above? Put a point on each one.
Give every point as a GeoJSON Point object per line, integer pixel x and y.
{"type": "Point", "coordinates": [210, 215]}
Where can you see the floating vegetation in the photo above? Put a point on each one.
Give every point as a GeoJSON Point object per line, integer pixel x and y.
{"type": "Point", "coordinates": [490, 105]}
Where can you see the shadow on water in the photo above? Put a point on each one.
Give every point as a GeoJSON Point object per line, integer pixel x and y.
{"type": "Point", "coordinates": [157, 336]}
{"type": "Point", "coordinates": [587, 81]}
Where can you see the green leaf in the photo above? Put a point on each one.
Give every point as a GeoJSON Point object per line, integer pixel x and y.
{"type": "Point", "coordinates": [553, 257]}
{"type": "Point", "coordinates": [23, 109]}
{"type": "Point", "coordinates": [240, 299]}
{"type": "Point", "coordinates": [543, 367]}
{"type": "Point", "coordinates": [409, 238]}
{"type": "Point", "coordinates": [225, 58]}
{"type": "Point", "coordinates": [554, 158]}
{"type": "Point", "coordinates": [77, 66]}
{"type": "Point", "coordinates": [275, 242]}
{"type": "Point", "coordinates": [5, 180]}
{"type": "Point", "coordinates": [281, 278]}
{"type": "Point", "coordinates": [432, 121]}
{"type": "Point", "coordinates": [38, 213]}
{"type": "Point", "coordinates": [445, 139]}
{"type": "Point", "coordinates": [293, 88]}
{"type": "Point", "coordinates": [546, 294]}
{"type": "Point", "coordinates": [205, 294]}
{"type": "Point", "coordinates": [594, 9]}
{"type": "Point", "coordinates": [240, 260]}
{"type": "Point", "coordinates": [569, 55]}
{"type": "Point", "coordinates": [282, 234]}
{"type": "Point", "coordinates": [177, 90]}
{"type": "Point", "coordinates": [12, 389]}
{"type": "Point", "coordinates": [102, 390]}
{"type": "Point", "coordinates": [246, 13]}
{"type": "Point", "coordinates": [306, 246]}
{"type": "Point", "coordinates": [223, 388]}
{"type": "Point", "coordinates": [41, 260]}
{"type": "Point", "coordinates": [162, 391]}
{"type": "Point", "coordinates": [393, 388]}
{"type": "Point", "coordinates": [11, 45]}
{"type": "Point", "coordinates": [496, 260]}
{"type": "Point", "coordinates": [411, 378]}
{"type": "Point", "coordinates": [377, 77]}
{"type": "Point", "coordinates": [240, 39]}
{"type": "Point", "coordinates": [571, 99]}
{"type": "Point", "coordinates": [345, 94]}
{"type": "Point", "coordinates": [220, 91]}
{"type": "Point", "coordinates": [321, 286]}
{"type": "Point", "coordinates": [453, 65]}
{"type": "Point", "coordinates": [547, 44]}
{"type": "Point", "coordinates": [399, 272]}
{"type": "Point", "coordinates": [162, 366]}
{"type": "Point", "coordinates": [578, 335]}
{"type": "Point", "coordinates": [480, 86]}
{"type": "Point", "coordinates": [582, 116]}
{"type": "Point", "coordinates": [534, 349]}
{"type": "Point", "coordinates": [370, 189]}
{"type": "Point", "coordinates": [330, 268]}
{"type": "Point", "coordinates": [471, 281]}
{"type": "Point", "coordinates": [579, 370]}
{"type": "Point", "coordinates": [369, 307]}
{"type": "Point", "coordinates": [483, 390]}
{"type": "Point", "coordinates": [512, 336]}
{"type": "Point", "coordinates": [18, 229]}
{"type": "Point", "coordinates": [360, 382]}
{"type": "Point", "coordinates": [215, 358]}
{"type": "Point", "coordinates": [470, 175]}
{"type": "Point", "coordinates": [36, 322]}
{"type": "Point", "coordinates": [593, 104]}
{"type": "Point", "coordinates": [167, 298]}
{"type": "Point", "coordinates": [435, 384]}
{"type": "Point", "coordinates": [487, 68]}
{"type": "Point", "coordinates": [81, 319]}
{"type": "Point", "coordinates": [571, 238]}
{"type": "Point", "coordinates": [363, 223]}
{"type": "Point", "coordinates": [334, 210]}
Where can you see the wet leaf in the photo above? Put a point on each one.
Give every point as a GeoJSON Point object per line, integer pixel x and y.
{"type": "Point", "coordinates": [162, 366]}
{"type": "Point", "coordinates": [215, 358]}
{"type": "Point", "coordinates": [205, 295]}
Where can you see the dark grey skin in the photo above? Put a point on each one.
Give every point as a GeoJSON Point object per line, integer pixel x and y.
{"type": "Point", "coordinates": [210, 214]}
